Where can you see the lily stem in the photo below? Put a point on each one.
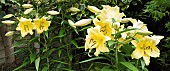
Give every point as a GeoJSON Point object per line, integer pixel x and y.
{"type": "Point", "coordinates": [116, 56]}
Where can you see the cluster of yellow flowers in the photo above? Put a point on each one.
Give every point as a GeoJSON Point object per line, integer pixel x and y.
{"type": "Point", "coordinates": [26, 25]}
{"type": "Point", "coordinates": [108, 22]}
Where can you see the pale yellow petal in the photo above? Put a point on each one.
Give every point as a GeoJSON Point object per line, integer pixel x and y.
{"type": "Point", "coordinates": [134, 42]}
{"type": "Point", "coordinates": [96, 21]}
{"type": "Point", "coordinates": [146, 58]}
{"type": "Point", "coordinates": [97, 52]}
{"type": "Point", "coordinates": [137, 53]}
{"type": "Point", "coordinates": [156, 39]}
{"type": "Point", "coordinates": [153, 51]}
{"type": "Point", "coordinates": [87, 46]}
{"type": "Point", "coordinates": [102, 47]}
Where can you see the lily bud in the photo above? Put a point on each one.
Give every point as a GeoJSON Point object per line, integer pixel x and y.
{"type": "Point", "coordinates": [116, 25]}
{"type": "Point", "coordinates": [144, 32]}
{"type": "Point", "coordinates": [93, 9]}
{"type": "Point", "coordinates": [8, 16]}
{"type": "Point", "coordinates": [53, 12]}
{"type": "Point", "coordinates": [74, 9]}
{"type": "Point", "coordinates": [9, 33]}
{"type": "Point", "coordinates": [83, 22]}
{"type": "Point", "coordinates": [27, 11]}
{"type": "Point", "coordinates": [27, 5]}
{"type": "Point", "coordinates": [8, 22]}
{"type": "Point", "coordinates": [71, 23]}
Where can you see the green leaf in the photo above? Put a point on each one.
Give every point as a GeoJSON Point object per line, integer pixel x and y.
{"type": "Point", "coordinates": [74, 43]}
{"type": "Point", "coordinates": [91, 59]}
{"type": "Point", "coordinates": [126, 31]}
{"type": "Point", "coordinates": [76, 31]}
{"type": "Point", "coordinates": [2, 1]}
{"type": "Point", "coordinates": [60, 62]}
{"type": "Point", "coordinates": [48, 52]}
{"type": "Point", "coordinates": [18, 43]}
{"type": "Point", "coordinates": [86, 27]}
{"type": "Point", "coordinates": [129, 65]}
{"type": "Point", "coordinates": [142, 63]}
{"type": "Point", "coordinates": [37, 62]}
{"type": "Point", "coordinates": [61, 32]}
{"type": "Point", "coordinates": [45, 68]}
{"type": "Point", "coordinates": [106, 68]}
{"type": "Point", "coordinates": [66, 69]}
{"type": "Point", "coordinates": [111, 42]}
{"type": "Point", "coordinates": [80, 47]}
{"type": "Point", "coordinates": [23, 64]}
{"type": "Point", "coordinates": [32, 57]}
{"type": "Point", "coordinates": [46, 34]}
{"type": "Point", "coordinates": [113, 20]}
{"type": "Point", "coordinates": [34, 39]}
{"type": "Point", "coordinates": [59, 52]}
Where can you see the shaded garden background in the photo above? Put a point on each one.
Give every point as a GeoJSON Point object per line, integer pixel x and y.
{"type": "Point", "coordinates": [154, 13]}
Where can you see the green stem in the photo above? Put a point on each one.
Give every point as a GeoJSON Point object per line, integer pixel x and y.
{"type": "Point", "coordinates": [137, 63]}
{"type": "Point", "coordinates": [45, 45]}
{"type": "Point", "coordinates": [116, 55]}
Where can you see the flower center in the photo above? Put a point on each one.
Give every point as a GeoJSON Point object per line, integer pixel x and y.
{"type": "Point", "coordinates": [26, 28]}
{"type": "Point", "coordinates": [103, 30]}
{"type": "Point", "coordinates": [92, 42]}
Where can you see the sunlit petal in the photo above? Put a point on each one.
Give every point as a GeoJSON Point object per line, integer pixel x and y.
{"type": "Point", "coordinates": [146, 58]}
{"type": "Point", "coordinates": [137, 53]}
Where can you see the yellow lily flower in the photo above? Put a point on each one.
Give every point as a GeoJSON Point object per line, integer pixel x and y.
{"type": "Point", "coordinates": [146, 47]}
{"type": "Point", "coordinates": [95, 39]}
{"type": "Point", "coordinates": [41, 25]}
{"type": "Point", "coordinates": [105, 26]}
{"type": "Point", "coordinates": [109, 12]}
{"type": "Point", "coordinates": [25, 26]}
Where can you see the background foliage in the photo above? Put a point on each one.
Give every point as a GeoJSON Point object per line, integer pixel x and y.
{"type": "Point", "coordinates": [61, 47]}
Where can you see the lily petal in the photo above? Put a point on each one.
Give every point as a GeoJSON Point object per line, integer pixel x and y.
{"type": "Point", "coordinates": [137, 53]}
{"type": "Point", "coordinates": [146, 58]}
{"type": "Point", "coordinates": [153, 51]}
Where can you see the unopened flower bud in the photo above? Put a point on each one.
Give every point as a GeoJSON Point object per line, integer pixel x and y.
{"type": "Point", "coordinates": [83, 22]}
{"type": "Point", "coordinates": [9, 33]}
{"type": "Point", "coordinates": [8, 22]}
{"type": "Point", "coordinates": [8, 16]}
{"type": "Point", "coordinates": [53, 12]}
{"type": "Point", "coordinates": [27, 5]}
{"type": "Point", "coordinates": [93, 9]}
{"type": "Point", "coordinates": [27, 11]}
{"type": "Point", "coordinates": [71, 23]}
{"type": "Point", "coordinates": [74, 9]}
